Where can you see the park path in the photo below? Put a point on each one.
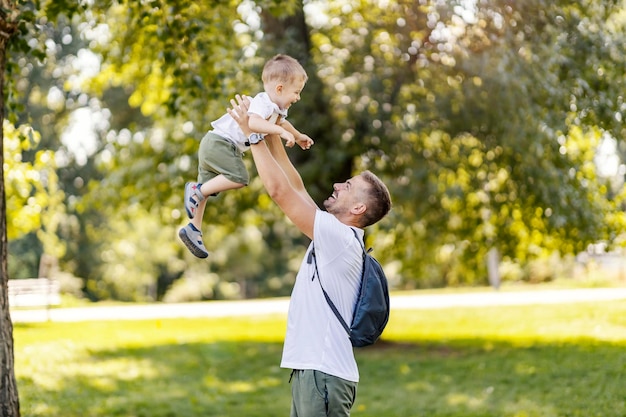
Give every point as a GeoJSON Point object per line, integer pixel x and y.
{"type": "Point", "coordinates": [280, 305]}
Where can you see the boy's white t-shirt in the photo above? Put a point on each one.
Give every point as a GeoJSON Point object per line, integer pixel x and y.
{"type": "Point", "coordinates": [262, 105]}
{"type": "Point", "coordinates": [315, 339]}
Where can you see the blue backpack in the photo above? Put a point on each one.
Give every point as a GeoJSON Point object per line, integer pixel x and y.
{"type": "Point", "coordinates": [371, 312]}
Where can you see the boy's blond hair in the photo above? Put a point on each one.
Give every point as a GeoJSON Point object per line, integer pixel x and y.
{"type": "Point", "coordinates": [283, 69]}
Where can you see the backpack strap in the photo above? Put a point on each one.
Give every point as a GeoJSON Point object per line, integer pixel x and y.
{"type": "Point", "coordinates": [328, 300]}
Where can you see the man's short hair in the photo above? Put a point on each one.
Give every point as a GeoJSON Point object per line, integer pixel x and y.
{"type": "Point", "coordinates": [284, 69]}
{"type": "Point", "coordinates": [377, 199]}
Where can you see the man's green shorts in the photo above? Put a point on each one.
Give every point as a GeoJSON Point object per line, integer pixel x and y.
{"type": "Point", "coordinates": [218, 155]}
{"type": "Point", "coordinates": [317, 394]}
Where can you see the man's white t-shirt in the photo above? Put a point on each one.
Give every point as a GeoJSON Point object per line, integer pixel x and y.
{"type": "Point", "coordinates": [262, 105]}
{"type": "Point", "coordinates": [315, 339]}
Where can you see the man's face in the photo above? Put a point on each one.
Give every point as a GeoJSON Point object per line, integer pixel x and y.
{"type": "Point", "coordinates": [345, 195]}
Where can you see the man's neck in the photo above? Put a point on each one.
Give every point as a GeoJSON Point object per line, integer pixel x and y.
{"type": "Point", "coordinates": [348, 220]}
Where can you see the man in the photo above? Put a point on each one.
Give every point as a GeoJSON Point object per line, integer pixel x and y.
{"type": "Point", "coordinates": [317, 348]}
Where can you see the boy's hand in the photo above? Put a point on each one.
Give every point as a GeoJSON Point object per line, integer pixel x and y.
{"type": "Point", "coordinates": [304, 141]}
{"type": "Point", "coordinates": [288, 137]}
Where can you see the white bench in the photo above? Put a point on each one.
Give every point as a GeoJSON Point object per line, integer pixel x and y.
{"type": "Point", "coordinates": [34, 292]}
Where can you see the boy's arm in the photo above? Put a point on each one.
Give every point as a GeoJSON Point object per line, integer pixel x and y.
{"type": "Point", "coordinates": [304, 141]}
{"type": "Point", "coordinates": [260, 125]}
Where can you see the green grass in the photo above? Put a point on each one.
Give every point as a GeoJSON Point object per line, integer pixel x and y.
{"type": "Point", "coordinates": [528, 361]}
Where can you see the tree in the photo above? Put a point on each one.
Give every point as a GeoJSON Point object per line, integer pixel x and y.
{"type": "Point", "coordinates": [9, 400]}
{"type": "Point", "coordinates": [16, 28]}
{"type": "Point", "coordinates": [487, 115]}
{"type": "Point", "coordinates": [482, 117]}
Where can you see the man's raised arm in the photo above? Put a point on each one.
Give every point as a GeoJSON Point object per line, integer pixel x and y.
{"type": "Point", "coordinates": [280, 178]}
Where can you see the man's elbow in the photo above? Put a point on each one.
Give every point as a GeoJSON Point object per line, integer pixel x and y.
{"type": "Point", "coordinates": [277, 192]}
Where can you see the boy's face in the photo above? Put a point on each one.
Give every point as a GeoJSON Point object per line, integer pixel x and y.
{"type": "Point", "coordinates": [287, 94]}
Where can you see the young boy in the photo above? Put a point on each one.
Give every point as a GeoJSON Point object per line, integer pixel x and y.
{"type": "Point", "coordinates": [220, 163]}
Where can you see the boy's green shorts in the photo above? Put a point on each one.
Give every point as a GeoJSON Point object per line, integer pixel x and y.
{"type": "Point", "coordinates": [218, 155]}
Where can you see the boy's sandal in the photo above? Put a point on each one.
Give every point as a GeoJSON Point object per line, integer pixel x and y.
{"type": "Point", "coordinates": [192, 238]}
{"type": "Point", "coordinates": [193, 196]}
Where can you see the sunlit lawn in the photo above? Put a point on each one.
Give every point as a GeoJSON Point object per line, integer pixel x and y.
{"type": "Point", "coordinates": [555, 360]}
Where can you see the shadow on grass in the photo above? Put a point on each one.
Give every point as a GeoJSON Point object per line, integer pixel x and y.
{"type": "Point", "coordinates": [215, 379]}
{"type": "Point", "coordinates": [461, 378]}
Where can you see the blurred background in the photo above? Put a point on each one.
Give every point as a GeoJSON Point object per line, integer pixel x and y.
{"type": "Point", "coordinates": [497, 125]}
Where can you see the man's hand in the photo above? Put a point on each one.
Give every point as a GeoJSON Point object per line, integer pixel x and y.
{"type": "Point", "coordinates": [239, 112]}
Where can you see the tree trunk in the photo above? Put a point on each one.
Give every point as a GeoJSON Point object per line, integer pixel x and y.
{"type": "Point", "coordinates": [290, 35]}
{"type": "Point", "coordinates": [9, 400]}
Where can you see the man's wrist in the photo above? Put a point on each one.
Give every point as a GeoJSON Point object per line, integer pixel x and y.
{"type": "Point", "coordinates": [254, 138]}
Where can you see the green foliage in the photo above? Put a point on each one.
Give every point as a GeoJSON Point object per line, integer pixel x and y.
{"type": "Point", "coordinates": [28, 45]}
{"type": "Point", "coordinates": [23, 257]}
{"type": "Point", "coordinates": [468, 113]}
{"type": "Point", "coordinates": [33, 196]}
{"type": "Point", "coordinates": [124, 257]}
{"type": "Point", "coordinates": [483, 119]}
{"type": "Point", "coordinates": [488, 362]}
{"type": "Point", "coordinates": [178, 56]}
{"type": "Point", "coordinates": [20, 180]}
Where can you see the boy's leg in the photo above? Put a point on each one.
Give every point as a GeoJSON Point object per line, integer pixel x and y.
{"type": "Point", "coordinates": [191, 235]}
{"type": "Point", "coordinates": [220, 168]}
{"type": "Point", "coordinates": [218, 184]}
{"type": "Point", "coordinates": [316, 394]}
{"type": "Point", "coordinates": [197, 193]}
{"type": "Point", "coordinates": [213, 186]}
{"type": "Point", "coordinates": [197, 220]}
{"type": "Point", "coordinates": [193, 197]}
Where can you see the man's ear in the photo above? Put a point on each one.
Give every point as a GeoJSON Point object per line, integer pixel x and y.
{"type": "Point", "coordinates": [359, 208]}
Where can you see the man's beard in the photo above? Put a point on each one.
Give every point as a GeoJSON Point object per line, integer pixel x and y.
{"type": "Point", "coordinates": [329, 206]}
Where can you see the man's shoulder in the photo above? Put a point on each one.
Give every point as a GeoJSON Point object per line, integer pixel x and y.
{"type": "Point", "coordinates": [326, 217]}
{"type": "Point", "coordinates": [330, 226]}
{"type": "Point", "coordinates": [332, 219]}
{"type": "Point", "coordinates": [334, 239]}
